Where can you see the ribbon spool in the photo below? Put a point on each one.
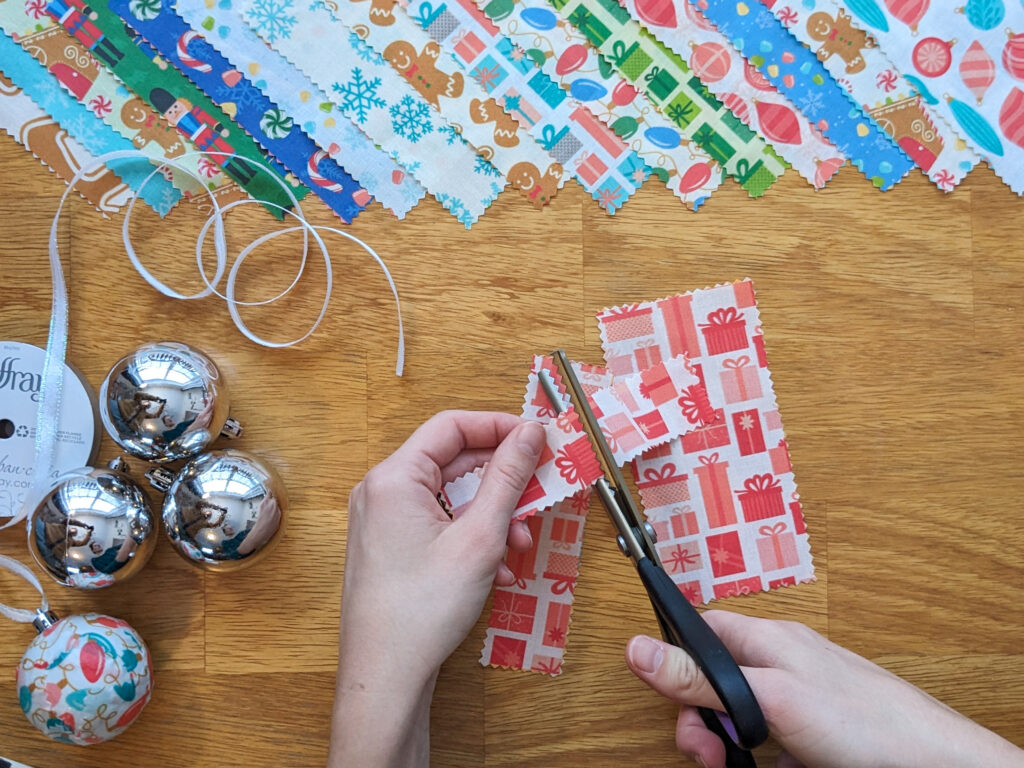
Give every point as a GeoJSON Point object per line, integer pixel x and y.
{"type": "Point", "coordinates": [51, 389]}
{"type": "Point", "coordinates": [84, 679]}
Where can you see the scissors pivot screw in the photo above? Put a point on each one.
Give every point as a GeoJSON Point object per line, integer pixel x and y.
{"type": "Point", "coordinates": [623, 547]}
{"type": "Point", "coordinates": [651, 532]}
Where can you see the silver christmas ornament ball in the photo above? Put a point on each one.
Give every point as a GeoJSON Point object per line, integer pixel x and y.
{"type": "Point", "coordinates": [93, 528]}
{"type": "Point", "coordinates": [165, 401]}
{"type": "Point", "coordinates": [224, 510]}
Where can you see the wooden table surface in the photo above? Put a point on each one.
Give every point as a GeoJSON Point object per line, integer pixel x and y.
{"type": "Point", "coordinates": [892, 323]}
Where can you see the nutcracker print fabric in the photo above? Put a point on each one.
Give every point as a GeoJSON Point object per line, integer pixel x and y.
{"type": "Point", "coordinates": [722, 497]}
{"type": "Point", "coordinates": [967, 61]}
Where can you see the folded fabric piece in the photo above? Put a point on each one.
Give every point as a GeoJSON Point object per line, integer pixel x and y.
{"type": "Point", "coordinates": [464, 103]}
{"type": "Point", "coordinates": [722, 498]}
{"type": "Point", "coordinates": [963, 60]}
{"type": "Point", "coordinates": [798, 74]}
{"type": "Point", "coordinates": [381, 103]}
{"type": "Point", "coordinates": [668, 82]}
{"type": "Point", "coordinates": [529, 621]}
{"type": "Point", "coordinates": [856, 62]}
{"type": "Point", "coordinates": [566, 57]}
{"type": "Point", "coordinates": [24, 121]}
{"type": "Point", "coordinates": [600, 161]}
{"type": "Point", "coordinates": [82, 125]}
{"type": "Point", "coordinates": [274, 130]}
{"type": "Point", "coordinates": [636, 413]}
{"type": "Point", "coordinates": [296, 96]}
{"type": "Point", "coordinates": [753, 100]}
{"type": "Point", "coordinates": [71, 61]}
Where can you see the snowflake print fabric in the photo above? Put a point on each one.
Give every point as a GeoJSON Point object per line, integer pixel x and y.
{"type": "Point", "coordinates": [411, 118]}
{"type": "Point", "coordinates": [967, 63]}
{"type": "Point", "coordinates": [272, 18]}
{"type": "Point", "coordinates": [469, 110]}
{"type": "Point", "coordinates": [722, 498]}
{"type": "Point", "coordinates": [686, 169]}
{"type": "Point", "coordinates": [96, 136]}
{"type": "Point", "coordinates": [320, 47]}
{"type": "Point", "coordinates": [390, 184]}
{"type": "Point", "coordinates": [854, 59]}
{"type": "Point", "coordinates": [568, 131]}
{"type": "Point", "coordinates": [798, 74]}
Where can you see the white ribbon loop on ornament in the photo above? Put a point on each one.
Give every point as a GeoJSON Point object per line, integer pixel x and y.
{"type": "Point", "coordinates": [50, 392]}
{"type": "Point", "coordinates": [20, 614]}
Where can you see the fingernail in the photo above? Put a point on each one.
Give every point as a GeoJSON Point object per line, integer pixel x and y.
{"type": "Point", "coordinates": [646, 654]}
{"type": "Point", "coordinates": [526, 532]}
{"type": "Point", "coordinates": [530, 438]}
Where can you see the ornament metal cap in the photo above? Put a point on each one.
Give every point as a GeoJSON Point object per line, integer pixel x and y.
{"type": "Point", "coordinates": [160, 478]}
{"type": "Point", "coordinates": [44, 620]}
{"type": "Point", "coordinates": [232, 430]}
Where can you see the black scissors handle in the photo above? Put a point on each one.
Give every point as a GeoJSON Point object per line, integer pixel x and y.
{"type": "Point", "coordinates": [683, 627]}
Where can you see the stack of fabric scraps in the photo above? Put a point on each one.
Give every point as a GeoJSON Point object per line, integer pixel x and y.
{"type": "Point", "coordinates": [687, 398]}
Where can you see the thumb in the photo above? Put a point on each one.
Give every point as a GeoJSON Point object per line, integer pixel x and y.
{"type": "Point", "coordinates": [505, 478]}
{"type": "Point", "coordinates": [670, 671]}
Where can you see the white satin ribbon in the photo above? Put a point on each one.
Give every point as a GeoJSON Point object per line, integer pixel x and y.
{"type": "Point", "coordinates": [20, 614]}
{"type": "Point", "coordinates": [51, 394]}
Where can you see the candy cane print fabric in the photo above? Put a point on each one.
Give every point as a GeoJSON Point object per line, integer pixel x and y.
{"type": "Point", "coordinates": [366, 90]}
{"type": "Point", "coordinates": [667, 80]}
{"type": "Point", "coordinates": [467, 107]}
{"type": "Point", "coordinates": [296, 96]}
{"type": "Point", "coordinates": [722, 498]}
{"type": "Point", "coordinates": [600, 161]}
{"type": "Point", "coordinates": [753, 100]}
{"type": "Point", "coordinates": [565, 56]}
{"type": "Point", "coordinates": [967, 62]}
{"type": "Point", "coordinates": [854, 59]}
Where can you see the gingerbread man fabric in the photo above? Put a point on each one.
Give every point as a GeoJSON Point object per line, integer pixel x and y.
{"type": "Point", "coordinates": [840, 38]}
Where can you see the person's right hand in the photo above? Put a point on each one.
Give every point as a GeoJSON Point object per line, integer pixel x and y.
{"type": "Point", "coordinates": [825, 705]}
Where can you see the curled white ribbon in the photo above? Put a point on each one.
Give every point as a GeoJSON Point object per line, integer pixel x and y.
{"type": "Point", "coordinates": [20, 614]}
{"type": "Point", "coordinates": [51, 394]}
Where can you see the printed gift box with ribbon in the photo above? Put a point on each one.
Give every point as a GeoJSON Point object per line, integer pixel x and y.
{"type": "Point", "coordinates": [726, 553]}
{"type": "Point", "coordinates": [663, 488]}
{"type": "Point", "coordinates": [632, 59]}
{"type": "Point", "coordinates": [562, 569]}
{"type": "Point", "coordinates": [681, 522]}
{"type": "Point", "coordinates": [513, 611]}
{"type": "Point", "coordinates": [591, 167]}
{"type": "Point", "coordinates": [656, 384]}
{"type": "Point", "coordinates": [626, 323]}
{"type": "Point", "coordinates": [761, 498]}
{"type": "Point", "coordinates": [507, 652]}
{"type": "Point", "coordinates": [713, 476]}
{"type": "Point", "coordinates": [647, 355]}
{"type": "Point", "coordinates": [680, 558]}
{"type": "Point", "coordinates": [779, 456]}
{"type": "Point", "coordinates": [556, 625]}
{"type": "Point", "coordinates": [777, 548]}
{"type": "Point", "coordinates": [659, 84]}
{"type": "Point", "coordinates": [621, 434]}
{"type": "Point", "coordinates": [749, 435]}
{"type": "Point", "coordinates": [565, 532]}
{"type": "Point", "coordinates": [713, 434]}
{"type": "Point", "coordinates": [725, 331]}
{"type": "Point", "coordinates": [747, 586]}
{"type": "Point", "coordinates": [468, 46]}
{"type": "Point", "coordinates": [740, 380]}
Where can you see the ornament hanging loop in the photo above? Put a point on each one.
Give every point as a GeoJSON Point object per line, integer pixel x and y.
{"type": "Point", "coordinates": [42, 617]}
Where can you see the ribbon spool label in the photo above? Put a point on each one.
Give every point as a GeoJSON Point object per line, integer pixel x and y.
{"type": "Point", "coordinates": [21, 372]}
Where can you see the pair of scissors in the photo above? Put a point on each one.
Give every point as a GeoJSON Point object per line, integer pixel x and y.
{"type": "Point", "coordinates": [742, 726]}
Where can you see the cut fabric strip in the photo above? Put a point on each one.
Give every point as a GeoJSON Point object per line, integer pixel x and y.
{"type": "Point", "coordinates": [963, 61]}
{"type": "Point", "coordinates": [80, 124]}
{"type": "Point", "coordinates": [82, 75]}
{"type": "Point", "coordinates": [565, 56]}
{"type": "Point", "coordinates": [853, 58]}
{"type": "Point", "coordinates": [24, 121]}
{"type": "Point", "coordinates": [668, 82]}
{"type": "Point", "coordinates": [599, 159]}
{"type": "Point", "coordinates": [464, 103]}
{"type": "Point", "coordinates": [757, 103]}
{"type": "Point", "coordinates": [273, 129]}
{"type": "Point", "coordinates": [382, 104]}
{"type": "Point", "coordinates": [798, 74]}
{"type": "Point", "coordinates": [722, 498]}
{"type": "Point", "coordinates": [296, 96]}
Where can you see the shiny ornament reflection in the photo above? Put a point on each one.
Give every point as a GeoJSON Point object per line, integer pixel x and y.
{"type": "Point", "coordinates": [164, 402]}
{"type": "Point", "coordinates": [93, 528]}
{"type": "Point", "coordinates": [225, 510]}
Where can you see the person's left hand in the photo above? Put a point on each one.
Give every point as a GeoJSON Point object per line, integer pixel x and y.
{"type": "Point", "coordinates": [416, 581]}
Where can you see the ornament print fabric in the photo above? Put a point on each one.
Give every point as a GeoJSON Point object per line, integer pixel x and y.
{"type": "Point", "coordinates": [668, 82]}
{"type": "Point", "coordinates": [269, 125]}
{"type": "Point", "coordinates": [529, 621]}
{"type": "Point", "coordinates": [798, 74]}
{"type": "Point", "coordinates": [293, 93]}
{"type": "Point", "coordinates": [467, 107]}
{"type": "Point", "coordinates": [565, 56]}
{"type": "Point", "coordinates": [93, 134]}
{"type": "Point", "coordinates": [23, 120]}
{"type": "Point", "coordinates": [94, 86]}
{"type": "Point", "coordinates": [967, 62]}
{"type": "Point", "coordinates": [757, 103]}
{"type": "Point", "coordinates": [599, 159]}
{"type": "Point", "coordinates": [380, 102]}
{"type": "Point", "coordinates": [635, 412]}
{"type": "Point", "coordinates": [722, 498]}
{"type": "Point", "coordinates": [854, 59]}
